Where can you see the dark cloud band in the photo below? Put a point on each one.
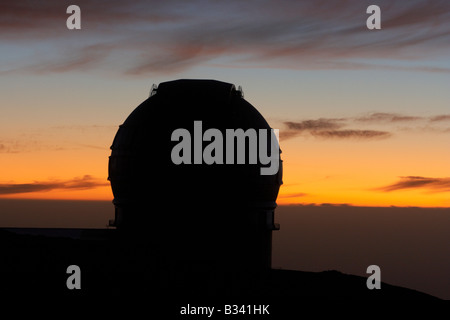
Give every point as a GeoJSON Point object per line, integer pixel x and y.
{"type": "Point", "coordinates": [337, 127]}
{"type": "Point", "coordinates": [328, 129]}
{"type": "Point", "coordinates": [352, 134]}
{"type": "Point", "coordinates": [86, 182]}
{"type": "Point", "coordinates": [170, 36]}
{"type": "Point", "coordinates": [418, 182]}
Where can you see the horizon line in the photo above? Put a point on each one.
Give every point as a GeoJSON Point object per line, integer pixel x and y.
{"type": "Point", "coordinates": [324, 204]}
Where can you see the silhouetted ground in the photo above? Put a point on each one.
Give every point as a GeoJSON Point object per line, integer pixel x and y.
{"type": "Point", "coordinates": [36, 265]}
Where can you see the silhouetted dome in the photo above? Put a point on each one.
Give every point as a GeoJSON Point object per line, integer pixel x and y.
{"type": "Point", "coordinates": [193, 208]}
{"type": "Point", "coordinates": [141, 168]}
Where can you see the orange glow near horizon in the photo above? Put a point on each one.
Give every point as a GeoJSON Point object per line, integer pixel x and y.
{"type": "Point", "coordinates": [318, 172]}
{"type": "Point", "coordinates": [64, 169]}
{"type": "Point", "coordinates": [354, 173]}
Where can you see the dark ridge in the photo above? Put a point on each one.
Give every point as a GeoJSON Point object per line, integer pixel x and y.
{"type": "Point", "coordinates": [34, 264]}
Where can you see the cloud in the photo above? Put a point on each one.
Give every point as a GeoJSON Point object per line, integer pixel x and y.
{"type": "Point", "coordinates": [352, 134]}
{"type": "Point", "coordinates": [318, 124]}
{"type": "Point", "coordinates": [85, 128]}
{"type": "Point", "coordinates": [91, 146]}
{"type": "Point", "coordinates": [386, 117]}
{"type": "Point", "coordinates": [329, 129]}
{"type": "Point", "coordinates": [28, 19]}
{"type": "Point", "coordinates": [292, 195]}
{"type": "Point", "coordinates": [442, 117]}
{"type": "Point", "coordinates": [170, 36]}
{"type": "Point", "coordinates": [84, 183]}
{"type": "Point", "coordinates": [425, 129]}
{"type": "Point", "coordinates": [418, 182]}
{"type": "Point", "coordinates": [16, 146]}
{"type": "Point", "coordinates": [296, 128]}
{"type": "Point", "coordinates": [58, 138]}
{"type": "Point", "coordinates": [339, 127]}
{"type": "Point", "coordinates": [284, 135]}
{"type": "Point", "coordinates": [82, 59]}
{"type": "Point", "coordinates": [27, 145]}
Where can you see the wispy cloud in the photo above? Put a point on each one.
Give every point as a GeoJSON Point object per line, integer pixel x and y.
{"type": "Point", "coordinates": [442, 117]}
{"type": "Point", "coordinates": [83, 183]}
{"type": "Point", "coordinates": [57, 138]}
{"type": "Point", "coordinates": [349, 127]}
{"type": "Point", "coordinates": [26, 145]}
{"type": "Point", "coordinates": [293, 195]}
{"type": "Point", "coordinates": [386, 117]}
{"type": "Point", "coordinates": [169, 36]}
{"type": "Point", "coordinates": [352, 134]}
{"type": "Point", "coordinates": [319, 124]}
{"type": "Point", "coordinates": [85, 128]}
{"type": "Point", "coordinates": [313, 126]}
{"type": "Point", "coordinates": [329, 129]}
{"type": "Point", "coordinates": [383, 117]}
{"type": "Point", "coordinates": [418, 182]}
{"type": "Point", "coordinates": [31, 19]}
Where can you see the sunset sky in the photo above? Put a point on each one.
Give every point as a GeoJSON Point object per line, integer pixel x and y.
{"type": "Point", "coordinates": [364, 115]}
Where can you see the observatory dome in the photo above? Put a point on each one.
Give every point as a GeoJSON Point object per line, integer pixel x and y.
{"type": "Point", "coordinates": [216, 207]}
{"type": "Point", "coordinates": [141, 170]}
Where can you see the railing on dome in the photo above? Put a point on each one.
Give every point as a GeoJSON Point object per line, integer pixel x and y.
{"type": "Point", "coordinates": [241, 91]}
{"type": "Point", "coordinates": [153, 90]}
